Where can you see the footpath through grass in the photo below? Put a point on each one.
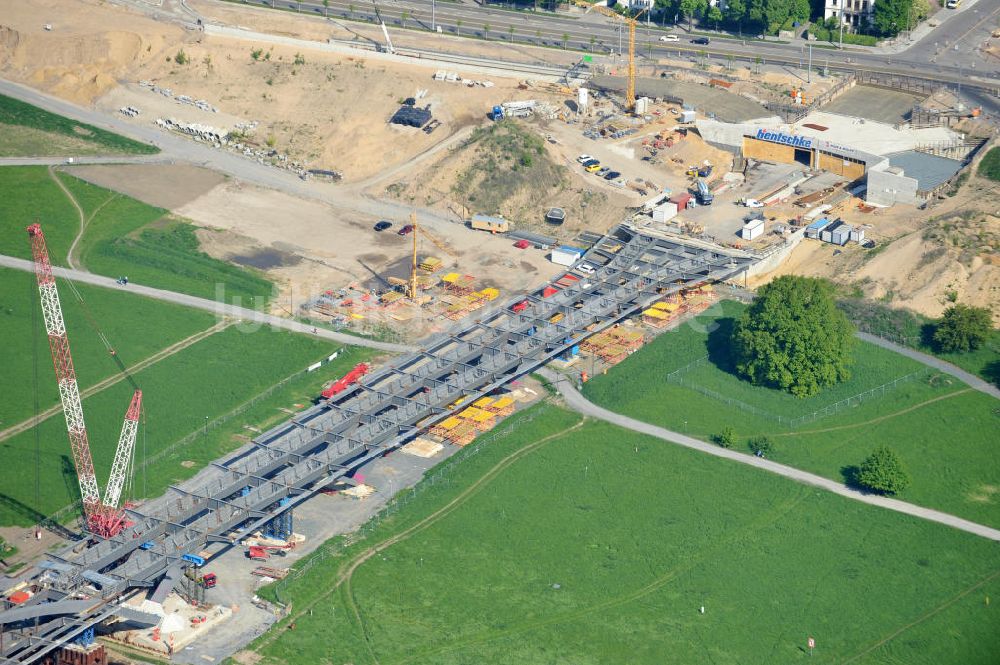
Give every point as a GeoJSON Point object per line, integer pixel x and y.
{"type": "Point", "coordinates": [15, 116]}
{"type": "Point", "coordinates": [182, 395]}
{"type": "Point", "coordinates": [909, 328]}
{"type": "Point", "coordinates": [600, 546]}
{"type": "Point", "coordinates": [944, 433]}
{"type": "Point", "coordinates": [123, 236]}
{"type": "Point", "coordinates": [137, 327]}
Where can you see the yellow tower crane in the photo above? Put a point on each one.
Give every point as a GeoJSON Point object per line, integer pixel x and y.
{"type": "Point", "coordinates": [631, 23]}
{"type": "Point", "coordinates": [440, 244]}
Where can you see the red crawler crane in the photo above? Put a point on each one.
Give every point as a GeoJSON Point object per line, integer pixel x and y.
{"type": "Point", "coordinates": [103, 518]}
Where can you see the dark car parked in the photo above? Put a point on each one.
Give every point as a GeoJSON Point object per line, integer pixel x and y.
{"type": "Point", "coordinates": [700, 40]}
{"type": "Point", "coordinates": [383, 225]}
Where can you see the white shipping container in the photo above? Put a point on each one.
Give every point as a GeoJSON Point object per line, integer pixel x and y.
{"type": "Point", "coordinates": [753, 229]}
{"type": "Point", "coordinates": [566, 256]}
{"type": "Point", "coordinates": [688, 116]}
{"type": "Point", "coordinates": [664, 212]}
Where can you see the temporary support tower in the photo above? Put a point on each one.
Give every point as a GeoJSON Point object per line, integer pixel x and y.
{"type": "Point", "coordinates": [104, 518]}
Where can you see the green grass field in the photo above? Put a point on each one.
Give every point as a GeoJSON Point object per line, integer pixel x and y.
{"type": "Point", "coordinates": [207, 380]}
{"type": "Point", "coordinates": [137, 328]}
{"type": "Point", "coordinates": [128, 237]}
{"type": "Point", "coordinates": [16, 115]}
{"type": "Point", "coordinates": [915, 330]}
{"type": "Point", "coordinates": [600, 546]}
{"type": "Point", "coordinates": [949, 445]}
{"type": "Point", "coordinates": [123, 237]}
{"type": "Point", "coordinates": [27, 193]}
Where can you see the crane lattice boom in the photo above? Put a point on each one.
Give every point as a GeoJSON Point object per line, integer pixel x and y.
{"type": "Point", "coordinates": [102, 518]}
{"type": "Point", "coordinates": [69, 392]}
{"type": "Point", "coordinates": [123, 454]}
{"type": "Point", "coordinates": [631, 23]}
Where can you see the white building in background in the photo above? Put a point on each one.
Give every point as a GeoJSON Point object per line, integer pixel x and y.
{"type": "Point", "coordinates": [637, 4]}
{"type": "Point", "coordinates": [852, 13]}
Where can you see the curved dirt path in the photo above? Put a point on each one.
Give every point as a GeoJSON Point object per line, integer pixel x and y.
{"type": "Point", "coordinates": [117, 378]}
{"type": "Point", "coordinates": [79, 211]}
{"type": "Point", "coordinates": [348, 567]}
{"type": "Point", "coordinates": [874, 421]}
{"type": "Point", "coordinates": [971, 380]}
{"type": "Point", "coordinates": [581, 404]}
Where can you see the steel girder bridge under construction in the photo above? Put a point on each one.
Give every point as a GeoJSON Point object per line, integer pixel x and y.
{"type": "Point", "coordinates": [84, 585]}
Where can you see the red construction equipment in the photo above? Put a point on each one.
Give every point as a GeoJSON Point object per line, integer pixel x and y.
{"type": "Point", "coordinates": [348, 379]}
{"type": "Point", "coordinates": [255, 553]}
{"type": "Point", "coordinates": [519, 306]}
{"type": "Point", "coordinates": [209, 580]}
{"type": "Point", "coordinates": [103, 517]}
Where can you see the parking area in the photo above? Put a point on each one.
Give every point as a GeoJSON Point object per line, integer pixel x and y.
{"type": "Point", "coordinates": [879, 104]}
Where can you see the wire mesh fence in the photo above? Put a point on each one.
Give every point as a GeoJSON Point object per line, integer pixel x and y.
{"type": "Point", "coordinates": [677, 377]}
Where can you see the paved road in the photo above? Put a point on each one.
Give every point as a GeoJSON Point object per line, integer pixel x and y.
{"type": "Point", "coordinates": [932, 53]}
{"type": "Point", "coordinates": [219, 308]}
{"type": "Point", "coordinates": [175, 148]}
{"type": "Point", "coordinates": [931, 361]}
{"type": "Point", "coordinates": [77, 161]}
{"type": "Point", "coordinates": [581, 404]}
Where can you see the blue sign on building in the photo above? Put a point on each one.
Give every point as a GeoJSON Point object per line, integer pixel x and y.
{"type": "Point", "coordinates": [785, 139]}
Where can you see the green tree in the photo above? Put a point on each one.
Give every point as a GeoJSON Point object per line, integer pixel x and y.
{"type": "Point", "coordinates": [760, 445]}
{"type": "Point", "coordinates": [565, 39]}
{"type": "Point", "coordinates": [486, 30]}
{"type": "Point", "coordinates": [458, 27]}
{"type": "Point", "coordinates": [714, 15]}
{"type": "Point", "coordinates": [688, 9]}
{"type": "Point", "coordinates": [883, 472]}
{"type": "Point", "coordinates": [403, 17]}
{"type": "Point", "coordinates": [181, 58]}
{"type": "Point", "coordinates": [726, 438]}
{"type": "Point", "coordinates": [919, 10]}
{"type": "Point", "coordinates": [794, 338]}
{"type": "Point", "coordinates": [963, 328]}
{"type": "Point", "coordinates": [736, 12]}
{"type": "Point", "coordinates": [510, 31]}
{"type": "Point", "coordinates": [889, 16]}
{"type": "Point", "coordinates": [326, 8]}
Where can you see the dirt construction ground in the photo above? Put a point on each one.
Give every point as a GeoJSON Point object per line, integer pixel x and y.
{"type": "Point", "coordinates": [318, 248]}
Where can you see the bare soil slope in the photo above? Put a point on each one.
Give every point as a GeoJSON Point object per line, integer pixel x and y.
{"type": "Point", "coordinates": [919, 263]}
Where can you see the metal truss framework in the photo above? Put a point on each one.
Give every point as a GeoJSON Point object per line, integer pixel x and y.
{"type": "Point", "coordinates": [239, 494]}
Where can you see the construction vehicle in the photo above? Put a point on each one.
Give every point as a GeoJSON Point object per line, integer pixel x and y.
{"type": "Point", "coordinates": [699, 171]}
{"type": "Point", "coordinates": [704, 194]}
{"type": "Point", "coordinates": [631, 23]}
{"type": "Point", "coordinates": [348, 379]}
{"type": "Point", "coordinates": [522, 109]}
{"type": "Point", "coordinates": [385, 31]}
{"type": "Point", "coordinates": [103, 517]}
{"type": "Point", "coordinates": [257, 553]}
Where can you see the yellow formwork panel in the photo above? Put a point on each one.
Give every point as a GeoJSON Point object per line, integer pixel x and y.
{"type": "Point", "coordinates": [502, 403]}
